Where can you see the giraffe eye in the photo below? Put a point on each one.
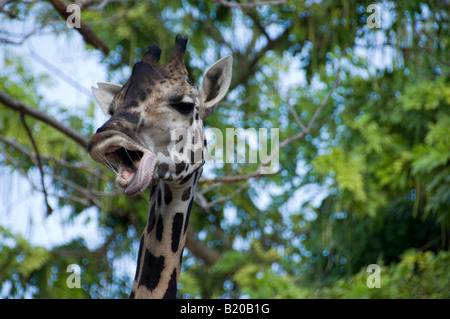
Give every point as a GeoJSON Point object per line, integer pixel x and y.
{"type": "Point", "coordinates": [183, 107]}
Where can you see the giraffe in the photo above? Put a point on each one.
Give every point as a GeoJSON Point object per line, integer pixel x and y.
{"type": "Point", "coordinates": [154, 139]}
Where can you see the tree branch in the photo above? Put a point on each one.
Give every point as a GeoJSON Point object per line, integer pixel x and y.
{"type": "Point", "coordinates": [403, 49]}
{"type": "Point", "coordinates": [58, 73]}
{"type": "Point", "coordinates": [200, 250]}
{"type": "Point", "coordinates": [88, 35]}
{"type": "Point", "coordinates": [24, 36]}
{"type": "Point", "coordinates": [58, 161]}
{"type": "Point", "coordinates": [89, 195]}
{"type": "Point", "coordinates": [249, 4]}
{"type": "Point", "coordinates": [236, 178]}
{"type": "Point", "coordinates": [16, 105]}
{"type": "Point", "coordinates": [38, 161]}
{"type": "Point", "coordinates": [228, 197]}
{"type": "Point", "coordinates": [201, 202]}
{"type": "Point", "coordinates": [324, 102]}
{"type": "Point", "coordinates": [305, 131]}
{"type": "Point", "coordinates": [250, 65]}
{"type": "Point", "coordinates": [312, 121]}
{"type": "Point", "coordinates": [294, 113]}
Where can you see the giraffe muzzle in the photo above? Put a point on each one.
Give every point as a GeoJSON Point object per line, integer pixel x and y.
{"type": "Point", "coordinates": [134, 165]}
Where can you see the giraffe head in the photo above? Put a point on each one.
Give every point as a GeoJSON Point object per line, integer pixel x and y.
{"type": "Point", "coordinates": [155, 127]}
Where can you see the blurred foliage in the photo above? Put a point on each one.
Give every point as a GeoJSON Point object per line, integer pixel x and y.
{"type": "Point", "coordinates": [416, 275]}
{"type": "Point", "coordinates": [368, 184]}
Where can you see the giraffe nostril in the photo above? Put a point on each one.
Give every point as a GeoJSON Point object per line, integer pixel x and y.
{"type": "Point", "coordinates": [111, 125]}
{"type": "Point", "coordinates": [101, 129]}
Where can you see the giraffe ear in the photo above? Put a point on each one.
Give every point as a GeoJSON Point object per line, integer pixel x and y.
{"type": "Point", "coordinates": [104, 95]}
{"type": "Point", "coordinates": [216, 82]}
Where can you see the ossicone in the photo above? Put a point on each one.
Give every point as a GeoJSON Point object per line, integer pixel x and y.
{"type": "Point", "coordinates": [152, 55]}
{"type": "Point", "coordinates": [180, 48]}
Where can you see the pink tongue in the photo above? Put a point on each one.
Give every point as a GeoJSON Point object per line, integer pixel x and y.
{"type": "Point", "coordinates": [143, 176]}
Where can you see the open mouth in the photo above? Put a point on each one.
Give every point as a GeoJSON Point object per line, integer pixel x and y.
{"type": "Point", "coordinates": [135, 168]}
{"type": "Point", "coordinates": [134, 165]}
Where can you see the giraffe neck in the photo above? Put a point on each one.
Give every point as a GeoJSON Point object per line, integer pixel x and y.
{"type": "Point", "coordinates": [163, 239]}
